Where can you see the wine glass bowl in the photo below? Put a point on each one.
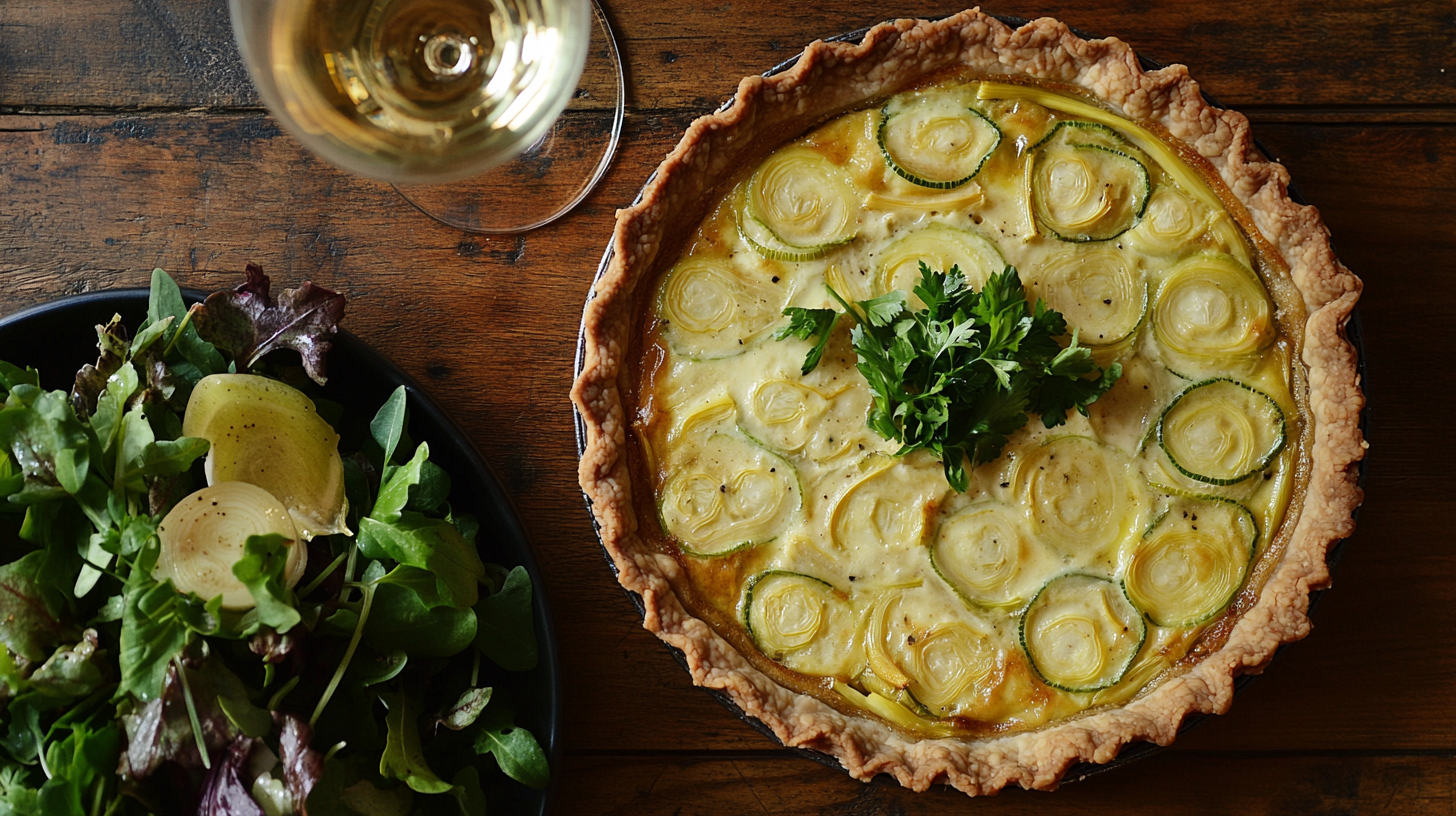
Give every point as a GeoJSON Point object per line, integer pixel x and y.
{"type": "Point", "coordinates": [415, 91]}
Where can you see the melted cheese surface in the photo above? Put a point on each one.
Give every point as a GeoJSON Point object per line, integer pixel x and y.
{"type": "Point", "coordinates": [833, 563]}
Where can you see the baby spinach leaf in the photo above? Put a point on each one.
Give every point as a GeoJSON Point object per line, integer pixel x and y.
{"type": "Point", "coordinates": [506, 632]}
{"type": "Point", "coordinates": [421, 581]}
{"type": "Point", "coordinates": [247, 322]}
{"type": "Point", "coordinates": [111, 406]}
{"type": "Point", "coordinates": [261, 570]}
{"type": "Point", "coordinates": [32, 616]}
{"type": "Point", "coordinates": [426, 543]}
{"type": "Point", "coordinates": [166, 301]}
{"type": "Point", "coordinates": [515, 749]}
{"type": "Point", "coordinates": [387, 427]}
{"type": "Point", "coordinates": [400, 621]}
{"type": "Point", "coordinates": [404, 757]}
{"type": "Point", "coordinates": [466, 710]}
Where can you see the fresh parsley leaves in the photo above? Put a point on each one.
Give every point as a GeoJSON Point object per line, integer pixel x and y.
{"type": "Point", "coordinates": [961, 375]}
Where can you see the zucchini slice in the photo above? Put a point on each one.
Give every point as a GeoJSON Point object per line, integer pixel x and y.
{"type": "Point", "coordinates": [1078, 495]}
{"type": "Point", "coordinates": [1211, 307]}
{"type": "Point", "coordinates": [800, 621]}
{"type": "Point", "coordinates": [1192, 562]}
{"type": "Point", "coordinates": [1085, 183]}
{"type": "Point", "coordinates": [980, 552]}
{"type": "Point", "coordinates": [1221, 431]}
{"type": "Point", "coordinates": [713, 309]}
{"type": "Point", "coordinates": [728, 494]}
{"type": "Point", "coordinates": [802, 200]}
{"type": "Point", "coordinates": [936, 139]}
{"type": "Point", "coordinates": [1172, 223]}
{"type": "Point", "coordinates": [939, 247]}
{"type": "Point", "coordinates": [1080, 633]}
{"type": "Point", "coordinates": [1100, 291]}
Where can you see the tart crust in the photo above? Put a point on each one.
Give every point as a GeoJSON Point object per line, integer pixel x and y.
{"type": "Point", "coordinates": [830, 78]}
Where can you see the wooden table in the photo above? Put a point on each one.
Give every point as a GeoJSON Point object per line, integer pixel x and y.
{"type": "Point", "coordinates": [131, 137]}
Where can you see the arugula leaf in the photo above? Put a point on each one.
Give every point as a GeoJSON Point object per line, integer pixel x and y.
{"type": "Point", "coordinates": [404, 757]}
{"type": "Point", "coordinates": [32, 616]}
{"type": "Point", "coordinates": [247, 322]}
{"type": "Point", "coordinates": [49, 443]}
{"type": "Point", "coordinates": [515, 749]}
{"type": "Point", "coordinates": [506, 632]}
{"type": "Point", "coordinates": [387, 427]}
{"type": "Point", "coordinates": [13, 375]}
{"type": "Point", "coordinates": [399, 621]}
{"type": "Point", "coordinates": [416, 540]}
{"type": "Point", "coordinates": [265, 558]}
{"type": "Point", "coordinates": [806, 323]}
{"type": "Point", "coordinates": [395, 489]}
{"type": "Point", "coordinates": [961, 375]}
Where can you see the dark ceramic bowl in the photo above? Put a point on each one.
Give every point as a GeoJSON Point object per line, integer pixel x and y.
{"type": "Point", "coordinates": [57, 338]}
{"type": "Point", "coordinates": [1080, 771]}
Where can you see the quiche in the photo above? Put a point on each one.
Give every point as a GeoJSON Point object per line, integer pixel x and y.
{"type": "Point", "coordinates": [1087, 581]}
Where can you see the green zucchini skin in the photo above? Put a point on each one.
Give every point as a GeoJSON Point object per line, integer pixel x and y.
{"type": "Point", "coordinates": [1275, 450]}
{"type": "Point", "coordinates": [1252, 547]}
{"type": "Point", "coordinates": [887, 115]}
{"type": "Point", "coordinates": [1137, 618]}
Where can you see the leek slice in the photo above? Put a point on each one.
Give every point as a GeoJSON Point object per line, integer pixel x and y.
{"type": "Point", "coordinates": [1124, 417]}
{"type": "Point", "coordinates": [885, 511]}
{"type": "Point", "coordinates": [802, 199]}
{"type": "Point", "coordinates": [269, 434]}
{"type": "Point", "coordinates": [876, 648]}
{"type": "Point", "coordinates": [935, 138]}
{"type": "Point", "coordinates": [712, 309]}
{"type": "Point", "coordinates": [949, 664]}
{"type": "Point", "coordinates": [802, 622]}
{"type": "Point", "coordinates": [727, 494]}
{"type": "Point", "coordinates": [1080, 633]}
{"type": "Point", "coordinates": [980, 552]}
{"type": "Point", "coordinates": [1085, 183]}
{"type": "Point", "coordinates": [891, 711]}
{"type": "Point", "coordinates": [1211, 307]}
{"type": "Point", "coordinates": [1192, 562]}
{"type": "Point", "coordinates": [1221, 431]}
{"type": "Point", "coordinates": [783, 414]}
{"type": "Point", "coordinates": [1100, 291]}
{"type": "Point", "coordinates": [1173, 223]}
{"type": "Point", "coordinates": [940, 247]}
{"type": "Point", "coordinates": [203, 536]}
{"type": "Point", "coordinates": [1077, 494]}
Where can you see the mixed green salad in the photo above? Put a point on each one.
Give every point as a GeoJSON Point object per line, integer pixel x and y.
{"type": "Point", "coordinates": [206, 607]}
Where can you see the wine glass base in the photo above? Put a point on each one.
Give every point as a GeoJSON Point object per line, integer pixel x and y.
{"type": "Point", "coordinates": [553, 175]}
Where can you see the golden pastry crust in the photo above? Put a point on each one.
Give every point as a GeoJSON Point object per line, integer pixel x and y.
{"type": "Point", "coordinates": [833, 77]}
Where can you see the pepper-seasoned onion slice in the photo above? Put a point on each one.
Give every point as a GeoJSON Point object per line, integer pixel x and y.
{"type": "Point", "coordinates": [202, 537]}
{"type": "Point", "coordinates": [1211, 307]}
{"type": "Point", "coordinates": [727, 494]}
{"type": "Point", "coordinates": [1099, 290]}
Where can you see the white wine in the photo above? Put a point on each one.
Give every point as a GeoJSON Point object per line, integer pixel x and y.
{"type": "Point", "coordinates": [416, 91]}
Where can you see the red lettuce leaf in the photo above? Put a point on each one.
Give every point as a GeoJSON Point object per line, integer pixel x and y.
{"type": "Point", "coordinates": [302, 765]}
{"type": "Point", "coordinates": [224, 791]}
{"type": "Point", "coordinates": [247, 322]}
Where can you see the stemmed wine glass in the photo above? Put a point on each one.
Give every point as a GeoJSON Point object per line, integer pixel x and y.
{"type": "Point", "coordinates": [493, 116]}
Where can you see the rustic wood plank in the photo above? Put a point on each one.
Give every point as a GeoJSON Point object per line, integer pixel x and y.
{"type": "Point", "coordinates": [1170, 784]}
{"type": "Point", "coordinates": [153, 54]}
{"type": "Point", "coordinates": [489, 327]}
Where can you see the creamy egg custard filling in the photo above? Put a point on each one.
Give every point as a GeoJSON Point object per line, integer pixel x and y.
{"type": "Point", "coordinates": [1084, 564]}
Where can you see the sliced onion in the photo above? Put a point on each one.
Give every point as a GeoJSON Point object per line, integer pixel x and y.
{"type": "Point", "coordinates": [204, 534]}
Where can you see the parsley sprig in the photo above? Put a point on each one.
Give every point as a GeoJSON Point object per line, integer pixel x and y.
{"type": "Point", "coordinates": [961, 375]}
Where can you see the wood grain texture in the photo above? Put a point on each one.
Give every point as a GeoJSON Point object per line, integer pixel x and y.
{"type": "Point", "coordinates": [179, 53]}
{"type": "Point", "coordinates": [111, 174]}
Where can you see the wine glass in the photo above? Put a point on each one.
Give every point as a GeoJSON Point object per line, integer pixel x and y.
{"type": "Point", "coordinates": [479, 112]}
